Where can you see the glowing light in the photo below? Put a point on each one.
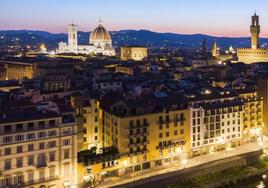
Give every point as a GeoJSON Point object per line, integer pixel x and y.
{"type": "Point", "coordinates": [211, 149]}
{"type": "Point", "coordinates": [184, 162]}
{"type": "Point", "coordinates": [178, 150]}
{"type": "Point", "coordinates": [104, 172]}
{"type": "Point", "coordinates": [229, 148]}
{"type": "Point", "coordinates": [86, 178]}
{"type": "Point", "coordinates": [125, 162]}
{"type": "Point", "coordinates": [257, 131]}
{"type": "Point", "coordinates": [207, 91]}
{"type": "Point", "coordinates": [52, 53]}
{"type": "Point", "coordinates": [220, 140]}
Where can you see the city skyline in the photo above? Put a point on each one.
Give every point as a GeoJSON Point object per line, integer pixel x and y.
{"type": "Point", "coordinates": [221, 18]}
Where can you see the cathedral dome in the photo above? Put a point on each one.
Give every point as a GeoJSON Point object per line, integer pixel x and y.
{"type": "Point", "coordinates": [100, 34]}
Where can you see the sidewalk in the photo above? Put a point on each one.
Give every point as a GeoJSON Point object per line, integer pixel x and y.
{"type": "Point", "coordinates": [176, 166]}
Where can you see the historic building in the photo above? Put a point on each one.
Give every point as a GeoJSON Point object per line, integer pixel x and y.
{"type": "Point", "coordinates": [133, 53]}
{"type": "Point", "coordinates": [38, 147]}
{"type": "Point", "coordinates": [255, 53]}
{"type": "Point", "coordinates": [14, 70]}
{"type": "Point", "coordinates": [100, 42]}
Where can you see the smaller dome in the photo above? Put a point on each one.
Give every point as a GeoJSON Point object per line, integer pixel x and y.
{"type": "Point", "coordinates": [100, 34]}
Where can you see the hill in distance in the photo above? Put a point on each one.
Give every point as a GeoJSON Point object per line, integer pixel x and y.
{"type": "Point", "coordinates": [124, 37]}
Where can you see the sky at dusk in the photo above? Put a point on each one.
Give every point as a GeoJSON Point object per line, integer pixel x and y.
{"type": "Point", "coordinates": [213, 17]}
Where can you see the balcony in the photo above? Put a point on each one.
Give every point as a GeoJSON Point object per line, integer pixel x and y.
{"type": "Point", "coordinates": [41, 165]}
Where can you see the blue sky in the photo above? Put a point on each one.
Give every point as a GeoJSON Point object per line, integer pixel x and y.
{"type": "Point", "coordinates": [214, 17]}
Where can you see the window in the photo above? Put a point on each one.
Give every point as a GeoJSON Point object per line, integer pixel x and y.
{"type": "Point", "coordinates": [52, 144]}
{"type": "Point", "coordinates": [66, 169]}
{"type": "Point", "coordinates": [160, 119]}
{"type": "Point", "coordinates": [160, 135]}
{"type": "Point", "coordinates": [7, 139]}
{"type": "Point", "coordinates": [30, 177]}
{"type": "Point", "coordinates": [30, 147]}
{"type": "Point", "coordinates": [30, 136]}
{"type": "Point", "coordinates": [41, 134]}
{"type": "Point", "coordinates": [8, 164]}
{"type": "Point", "coordinates": [66, 142]}
{"type": "Point", "coordinates": [52, 133]}
{"type": "Point", "coordinates": [182, 131]}
{"type": "Point", "coordinates": [96, 129]}
{"type": "Point", "coordinates": [41, 124]}
{"type": "Point", "coordinates": [41, 159]}
{"type": "Point", "coordinates": [19, 149]}
{"type": "Point", "coordinates": [42, 175]}
{"type": "Point", "coordinates": [51, 172]}
{"type": "Point", "coordinates": [7, 151]}
{"type": "Point", "coordinates": [42, 145]}
{"type": "Point", "coordinates": [66, 154]}
{"type": "Point", "coordinates": [66, 131]}
{"type": "Point", "coordinates": [19, 138]}
{"type": "Point", "coordinates": [19, 179]}
{"type": "Point", "coordinates": [52, 123]}
{"type": "Point", "coordinates": [96, 138]}
{"type": "Point", "coordinates": [131, 124]}
{"type": "Point", "coordinates": [52, 156]}
{"type": "Point", "coordinates": [85, 130]}
{"type": "Point", "coordinates": [19, 127]}
{"type": "Point", "coordinates": [30, 126]}
{"type": "Point", "coordinates": [19, 162]}
{"type": "Point", "coordinates": [31, 160]}
{"type": "Point", "coordinates": [175, 132]}
{"type": "Point", "coordinates": [8, 129]}
{"type": "Point", "coordinates": [167, 134]}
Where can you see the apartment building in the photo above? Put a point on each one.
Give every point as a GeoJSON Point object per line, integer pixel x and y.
{"type": "Point", "coordinates": [91, 124]}
{"type": "Point", "coordinates": [38, 147]}
{"type": "Point", "coordinates": [146, 132]}
{"type": "Point", "coordinates": [219, 119]}
{"type": "Point", "coordinates": [253, 125]}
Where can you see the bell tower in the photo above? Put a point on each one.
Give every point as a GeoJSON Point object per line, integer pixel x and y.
{"type": "Point", "coordinates": [72, 38]}
{"type": "Point", "coordinates": [255, 31]}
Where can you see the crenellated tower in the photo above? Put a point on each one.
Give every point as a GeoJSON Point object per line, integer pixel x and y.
{"type": "Point", "coordinates": [255, 31]}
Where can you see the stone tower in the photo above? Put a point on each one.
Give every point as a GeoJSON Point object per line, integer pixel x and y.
{"type": "Point", "coordinates": [255, 31]}
{"type": "Point", "coordinates": [214, 49]}
{"type": "Point", "coordinates": [72, 38]}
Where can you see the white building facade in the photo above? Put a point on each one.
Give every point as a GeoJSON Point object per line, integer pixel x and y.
{"type": "Point", "coordinates": [100, 42]}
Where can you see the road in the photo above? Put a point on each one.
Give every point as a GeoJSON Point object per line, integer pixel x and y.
{"type": "Point", "coordinates": [178, 166]}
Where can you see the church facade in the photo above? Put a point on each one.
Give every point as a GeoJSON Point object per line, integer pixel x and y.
{"type": "Point", "coordinates": [255, 53]}
{"type": "Point", "coordinates": [100, 42]}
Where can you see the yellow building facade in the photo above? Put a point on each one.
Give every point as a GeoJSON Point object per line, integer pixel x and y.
{"type": "Point", "coordinates": [133, 53]}
{"type": "Point", "coordinates": [253, 115]}
{"type": "Point", "coordinates": [38, 149]}
{"type": "Point", "coordinates": [17, 70]}
{"type": "Point", "coordinates": [143, 141]}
